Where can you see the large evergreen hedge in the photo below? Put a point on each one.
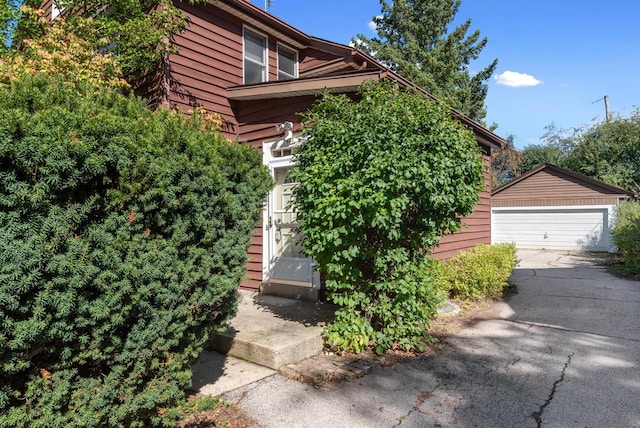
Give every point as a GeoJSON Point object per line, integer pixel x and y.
{"type": "Point", "coordinates": [123, 237]}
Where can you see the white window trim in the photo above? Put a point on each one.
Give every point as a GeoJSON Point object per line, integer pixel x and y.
{"type": "Point", "coordinates": [55, 10]}
{"type": "Point", "coordinates": [295, 52]}
{"type": "Point", "coordinates": [266, 52]}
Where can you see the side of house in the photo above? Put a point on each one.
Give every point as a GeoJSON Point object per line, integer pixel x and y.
{"type": "Point", "coordinates": [258, 73]}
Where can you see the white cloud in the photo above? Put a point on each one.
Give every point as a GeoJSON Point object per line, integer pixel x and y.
{"type": "Point", "coordinates": [515, 80]}
{"type": "Point", "coordinates": [372, 24]}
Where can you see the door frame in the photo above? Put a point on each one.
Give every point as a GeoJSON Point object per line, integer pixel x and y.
{"type": "Point", "coordinates": [272, 161]}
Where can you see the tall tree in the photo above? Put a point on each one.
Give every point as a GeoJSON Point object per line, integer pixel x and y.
{"type": "Point", "coordinates": [414, 41]}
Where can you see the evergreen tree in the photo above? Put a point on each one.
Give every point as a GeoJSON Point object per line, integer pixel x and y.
{"type": "Point", "coordinates": [414, 41]}
{"type": "Point", "coordinates": [123, 238]}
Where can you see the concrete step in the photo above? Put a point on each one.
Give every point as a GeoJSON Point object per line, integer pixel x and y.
{"type": "Point", "coordinates": [274, 331]}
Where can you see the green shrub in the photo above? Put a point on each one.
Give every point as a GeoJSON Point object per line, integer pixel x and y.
{"type": "Point", "coordinates": [381, 179]}
{"type": "Point", "coordinates": [123, 238]}
{"type": "Point", "coordinates": [626, 235]}
{"type": "Point", "coordinates": [481, 272]}
{"type": "Point", "coordinates": [391, 313]}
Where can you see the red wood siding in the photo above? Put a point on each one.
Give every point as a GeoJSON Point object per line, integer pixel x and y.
{"type": "Point", "coordinates": [259, 118]}
{"type": "Point", "coordinates": [47, 7]}
{"type": "Point", "coordinates": [312, 58]}
{"type": "Point", "coordinates": [208, 61]}
{"type": "Point", "coordinates": [478, 229]}
{"type": "Point", "coordinates": [253, 277]}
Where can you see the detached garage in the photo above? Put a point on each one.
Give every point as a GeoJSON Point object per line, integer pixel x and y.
{"type": "Point", "coordinates": [555, 208]}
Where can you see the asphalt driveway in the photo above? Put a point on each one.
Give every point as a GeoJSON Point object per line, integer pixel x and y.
{"type": "Point", "coordinates": [564, 352]}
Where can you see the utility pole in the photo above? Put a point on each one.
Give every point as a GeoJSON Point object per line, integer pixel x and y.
{"type": "Point", "coordinates": [606, 108]}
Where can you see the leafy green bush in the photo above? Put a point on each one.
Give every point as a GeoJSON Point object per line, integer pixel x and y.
{"type": "Point", "coordinates": [481, 272]}
{"type": "Point", "coordinates": [123, 238]}
{"type": "Point", "coordinates": [393, 313]}
{"type": "Point", "coordinates": [626, 235]}
{"type": "Point", "coordinates": [381, 179]}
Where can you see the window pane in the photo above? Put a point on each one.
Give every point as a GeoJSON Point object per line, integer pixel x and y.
{"type": "Point", "coordinates": [255, 58]}
{"type": "Point", "coordinates": [254, 47]}
{"type": "Point", "coordinates": [287, 61]}
{"type": "Point", "coordinates": [253, 73]}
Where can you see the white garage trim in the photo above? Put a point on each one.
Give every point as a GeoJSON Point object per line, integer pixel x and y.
{"type": "Point", "coordinates": [576, 227]}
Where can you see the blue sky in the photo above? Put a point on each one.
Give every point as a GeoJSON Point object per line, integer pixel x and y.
{"type": "Point", "coordinates": [559, 56]}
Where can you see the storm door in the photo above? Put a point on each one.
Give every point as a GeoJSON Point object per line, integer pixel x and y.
{"type": "Point", "coordinates": [286, 264]}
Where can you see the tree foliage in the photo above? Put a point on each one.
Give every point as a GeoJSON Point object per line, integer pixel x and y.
{"type": "Point", "coordinates": [626, 235]}
{"type": "Point", "coordinates": [123, 237]}
{"type": "Point", "coordinates": [9, 15]}
{"type": "Point", "coordinates": [138, 33]}
{"type": "Point", "coordinates": [61, 53]}
{"type": "Point", "coordinates": [557, 144]}
{"type": "Point", "coordinates": [610, 151]}
{"type": "Point", "coordinates": [380, 181]}
{"type": "Point", "coordinates": [414, 40]}
{"type": "Point", "coordinates": [506, 163]}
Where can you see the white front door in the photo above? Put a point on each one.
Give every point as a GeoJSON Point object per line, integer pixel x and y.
{"type": "Point", "coordinates": [284, 261]}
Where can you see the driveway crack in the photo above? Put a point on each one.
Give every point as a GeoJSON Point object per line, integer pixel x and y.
{"type": "Point", "coordinates": [537, 415]}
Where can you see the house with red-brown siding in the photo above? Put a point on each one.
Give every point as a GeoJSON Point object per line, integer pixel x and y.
{"type": "Point", "coordinates": [257, 73]}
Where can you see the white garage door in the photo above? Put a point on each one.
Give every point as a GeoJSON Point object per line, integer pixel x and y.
{"type": "Point", "coordinates": [553, 228]}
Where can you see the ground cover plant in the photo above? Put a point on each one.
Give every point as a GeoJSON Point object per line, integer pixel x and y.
{"type": "Point", "coordinates": [123, 236]}
{"type": "Point", "coordinates": [381, 179]}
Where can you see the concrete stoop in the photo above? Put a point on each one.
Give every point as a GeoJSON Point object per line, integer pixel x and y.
{"type": "Point", "coordinates": [274, 331]}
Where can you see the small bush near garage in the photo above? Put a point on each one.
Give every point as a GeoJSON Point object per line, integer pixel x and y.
{"type": "Point", "coordinates": [123, 236]}
{"type": "Point", "coordinates": [481, 272]}
{"type": "Point", "coordinates": [381, 180]}
{"type": "Point", "coordinates": [626, 235]}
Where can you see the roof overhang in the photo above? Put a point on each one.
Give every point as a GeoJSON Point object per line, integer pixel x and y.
{"type": "Point", "coordinates": [299, 87]}
{"type": "Point", "coordinates": [263, 21]}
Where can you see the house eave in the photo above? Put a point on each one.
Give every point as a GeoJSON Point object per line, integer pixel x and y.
{"type": "Point", "coordinates": [263, 21]}
{"type": "Point", "coordinates": [300, 87]}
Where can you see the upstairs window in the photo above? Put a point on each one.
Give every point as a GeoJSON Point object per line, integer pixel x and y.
{"type": "Point", "coordinates": [55, 10]}
{"type": "Point", "coordinates": [255, 57]}
{"type": "Point", "coordinates": [287, 63]}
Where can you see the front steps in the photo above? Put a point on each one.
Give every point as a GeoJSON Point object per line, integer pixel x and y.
{"type": "Point", "coordinates": [274, 331]}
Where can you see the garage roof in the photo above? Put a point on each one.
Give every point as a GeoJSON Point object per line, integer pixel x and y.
{"type": "Point", "coordinates": [587, 181]}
